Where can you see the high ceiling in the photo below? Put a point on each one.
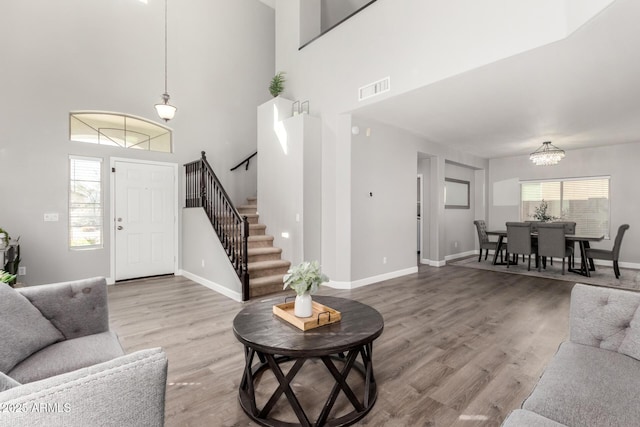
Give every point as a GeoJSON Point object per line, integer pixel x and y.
{"type": "Point", "coordinates": [583, 91]}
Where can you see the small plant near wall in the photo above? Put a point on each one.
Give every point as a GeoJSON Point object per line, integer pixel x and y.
{"type": "Point", "coordinates": [277, 84]}
{"type": "Point", "coordinates": [7, 278]}
{"type": "Point", "coordinates": [542, 214]}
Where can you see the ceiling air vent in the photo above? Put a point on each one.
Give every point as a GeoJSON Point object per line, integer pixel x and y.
{"type": "Point", "coordinates": [375, 88]}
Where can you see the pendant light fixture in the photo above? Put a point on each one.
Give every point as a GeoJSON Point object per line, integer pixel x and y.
{"type": "Point", "coordinates": [548, 154]}
{"type": "Point", "coordinates": [165, 110]}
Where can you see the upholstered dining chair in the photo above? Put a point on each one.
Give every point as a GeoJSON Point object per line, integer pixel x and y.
{"type": "Point", "coordinates": [569, 226]}
{"type": "Point", "coordinates": [551, 243]}
{"type": "Point", "coordinates": [483, 240]}
{"type": "Point", "coordinates": [613, 254]}
{"type": "Point", "coordinates": [519, 241]}
{"type": "Point", "coordinates": [534, 225]}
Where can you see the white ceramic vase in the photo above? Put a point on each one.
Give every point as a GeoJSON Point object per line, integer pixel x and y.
{"type": "Point", "coordinates": [302, 305]}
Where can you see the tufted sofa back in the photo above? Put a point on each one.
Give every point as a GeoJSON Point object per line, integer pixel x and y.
{"type": "Point", "coordinates": [606, 318]}
{"type": "Point", "coordinates": [77, 308]}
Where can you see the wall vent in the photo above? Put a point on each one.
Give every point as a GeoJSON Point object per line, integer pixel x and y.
{"type": "Point", "coordinates": [375, 88]}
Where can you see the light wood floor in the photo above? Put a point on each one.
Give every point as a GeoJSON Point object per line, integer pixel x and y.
{"type": "Point", "coordinates": [461, 347]}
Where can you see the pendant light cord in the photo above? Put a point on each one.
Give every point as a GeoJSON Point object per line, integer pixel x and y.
{"type": "Point", "coordinates": [165, 45]}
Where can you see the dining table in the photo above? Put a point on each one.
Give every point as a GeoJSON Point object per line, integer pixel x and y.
{"type": "Point", "coordinates": [583, 240]}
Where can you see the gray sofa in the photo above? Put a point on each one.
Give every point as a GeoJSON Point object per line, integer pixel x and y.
{"type": "Point", "coordinates": [594, 378]}
{"type": "Point", "coordinates": [60, 364]}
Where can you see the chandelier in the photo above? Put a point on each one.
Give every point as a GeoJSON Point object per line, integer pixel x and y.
{"type": "Point", "coordinates": [547, 154]}
{"type": "Point", "coordinates": [165, 110]}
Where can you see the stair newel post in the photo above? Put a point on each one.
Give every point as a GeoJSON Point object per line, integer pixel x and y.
{"type": "Point", "coordinates": [203, 186]}
{"type": "Point", "coordinates": [245, 259]}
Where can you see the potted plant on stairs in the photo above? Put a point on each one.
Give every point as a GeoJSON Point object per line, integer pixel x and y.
{"type": "Point", "coordinates": [304, 279]}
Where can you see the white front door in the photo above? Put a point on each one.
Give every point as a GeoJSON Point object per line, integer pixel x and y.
{"type": "Point", "coordinates": [144, 219]}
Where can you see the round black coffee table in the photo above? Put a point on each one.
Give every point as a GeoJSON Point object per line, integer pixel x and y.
{"type": "Point", "coordinates": [275, 341]}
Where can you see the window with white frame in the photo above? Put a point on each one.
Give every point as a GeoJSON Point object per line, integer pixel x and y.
{"type": "Point", "coordinates": [583, 200]}
{"type": "Point", "coordinates": [85, 203]}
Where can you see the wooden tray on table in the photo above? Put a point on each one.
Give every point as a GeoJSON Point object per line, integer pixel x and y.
{"type": "Point", "coordinates": [321, 315]}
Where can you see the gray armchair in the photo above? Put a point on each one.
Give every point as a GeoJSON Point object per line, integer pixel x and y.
{"type": "Point", "coordinates": [613, 254]}
{"type": "Point", "coordinates": [58, 353]}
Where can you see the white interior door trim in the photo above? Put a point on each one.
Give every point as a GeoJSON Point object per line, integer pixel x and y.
{"type": "Point", "coordinates": [421, 200]}
{"type": "Point", "coordinates": [112, 211]}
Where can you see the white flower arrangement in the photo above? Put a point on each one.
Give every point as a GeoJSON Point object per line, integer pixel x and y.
{"type": "Point", "coordinates": [305, 277]}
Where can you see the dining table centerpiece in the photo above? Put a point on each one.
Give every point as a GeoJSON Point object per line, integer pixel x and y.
{"type": "Point", "coordinates": [542, 212]}
{"type": "Point", "coordinates": [305, 279]}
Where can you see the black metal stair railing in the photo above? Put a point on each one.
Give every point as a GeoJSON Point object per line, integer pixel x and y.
{"type": "Point", "coordinates": [203, 189]}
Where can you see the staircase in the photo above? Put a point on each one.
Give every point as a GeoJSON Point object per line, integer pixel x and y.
{"type": "Point", "coordinates": [266, 268]}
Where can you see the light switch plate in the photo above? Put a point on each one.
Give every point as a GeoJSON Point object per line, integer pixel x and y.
{"type": "Point", "coordinates": [51, 217]}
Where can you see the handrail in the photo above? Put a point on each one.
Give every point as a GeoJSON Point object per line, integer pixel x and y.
{"type": "Point", "coordinates": [243, 162]}
{"type": "Point", "coordinates": [203, 189]}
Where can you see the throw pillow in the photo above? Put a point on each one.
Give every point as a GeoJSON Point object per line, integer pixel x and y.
{"type": "Point", "coordinates": [23, 329]}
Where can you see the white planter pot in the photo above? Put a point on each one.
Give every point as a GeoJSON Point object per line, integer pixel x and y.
{"type": "Point", "coordinates": [302, 305]}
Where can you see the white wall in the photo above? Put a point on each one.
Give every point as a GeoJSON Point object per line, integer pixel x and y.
{"type": "Point", "coordinates": [204, 258]}
{"type": "Point", "coordinates": [618, 161]}
{"type": "Point", "coordinates": [108, 55]}
{"type": "Point", "coordinates": [438, 40]}
{"type": "Point", "coordinates": [386, 164]}
{"type": "Point", "coordinates": [289, 169]}
{"type": "Point", "coordinates": [383, 203]}
{"type": "Point", "coordinates": [334, 11]}
{"type": "Point", "coordinates": [452, 37]}
{"type": "Point", "coordinates": [581, 11]}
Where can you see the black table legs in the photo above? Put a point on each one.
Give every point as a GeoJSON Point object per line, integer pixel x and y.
{"type": "Point", "coordinates": [498, 249]}
{"type": "Point", "coordinates": [361, 406]}
{"type": "Point", "coordinates": [586, 264]}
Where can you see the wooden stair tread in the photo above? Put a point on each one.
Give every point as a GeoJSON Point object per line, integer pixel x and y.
{"type": "Point", "coordinates": [263, 265]}
{"type": "Point", "coordinates": [259, 238]}
{"type": "Point", "coordinates": [268, 280]}
{"type": "Point", "coordinates": [264, 251]}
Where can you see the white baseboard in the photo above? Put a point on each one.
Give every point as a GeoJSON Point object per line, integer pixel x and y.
{"type": "Point", "coordinates": [432, 263]}
{"type": "Point", "coordinates": [442, 263]}
{"type": "Point", "coordinates": [236, 296]}
{"type": "Point", "coordinates": [632, 265]}
{"type": "Point", "coordinates": [371, 280]}
{"type": "Point", "coordinates": [460, 255]}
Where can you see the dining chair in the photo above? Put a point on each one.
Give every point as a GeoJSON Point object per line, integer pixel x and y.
{"type": "Point", "coordinates": [534, 229]}
{"type": "Point", "coordinates": [569, 228]}
{"type": "Point", "coordinates": [611, 255]}
{"type": "Point", "coordinates": [534, 225]}
{"type": "Point", "coordinates": [519, 241]}
{"type": "Point", "coordinates": [551, 243]}
{"type": "Point", "coordinates": [483, 239]}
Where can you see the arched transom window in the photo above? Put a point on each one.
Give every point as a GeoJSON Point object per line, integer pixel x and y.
{"type": "Point", "coordinates": [119, 130]}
